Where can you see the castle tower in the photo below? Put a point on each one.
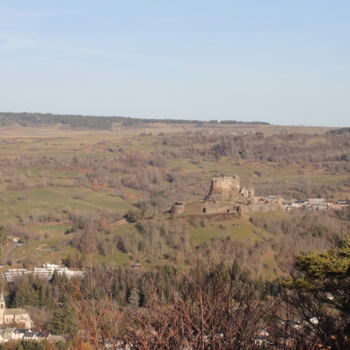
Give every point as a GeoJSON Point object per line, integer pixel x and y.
{"type": "Point", "coordinates": [224, 188]}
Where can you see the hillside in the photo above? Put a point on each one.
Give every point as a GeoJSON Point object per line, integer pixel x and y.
{"type": "Point", "coordinates": [61, 187]}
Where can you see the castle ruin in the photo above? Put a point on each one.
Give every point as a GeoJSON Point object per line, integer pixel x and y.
{"type": "Point", "coordinates": [226, 196]}
{"type": "Point", "coordinates": [228, 188]}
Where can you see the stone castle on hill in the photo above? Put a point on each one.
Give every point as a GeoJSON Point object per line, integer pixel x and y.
{"type": "Point", "coordinates": [227, 188]}
{"type": "Point", "coordinates": [226, 196]}
{"type": "Point", "coordinates": [13, 316]}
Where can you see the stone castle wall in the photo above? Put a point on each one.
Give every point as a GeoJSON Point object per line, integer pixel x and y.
{"type": "Point", "coordinates": [219, 208]}
{"type": "Point", "coordinates": [246, 209]}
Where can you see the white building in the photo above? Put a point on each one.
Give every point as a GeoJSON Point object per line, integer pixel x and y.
{"type": "Point", "coordinates": [45, 272]}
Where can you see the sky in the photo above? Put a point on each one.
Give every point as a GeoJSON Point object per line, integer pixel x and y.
{"type": "Point", "coordinates": [280, 61]}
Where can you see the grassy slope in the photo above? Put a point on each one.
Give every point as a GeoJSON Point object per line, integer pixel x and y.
{"type": "Point", "coordinates": [60, 191]}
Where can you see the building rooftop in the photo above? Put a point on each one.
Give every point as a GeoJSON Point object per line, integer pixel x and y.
{"type": "Point", "coordinates": [15, 311]}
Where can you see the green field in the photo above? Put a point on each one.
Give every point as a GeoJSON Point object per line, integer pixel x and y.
{"type": "Point", "coordinates": [237, 229]}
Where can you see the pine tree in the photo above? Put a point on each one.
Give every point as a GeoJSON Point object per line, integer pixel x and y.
{"type": "Point", "coordinates": [64, 320]}
{"type": "Point", "coordinates": [133, 297]}
{"type": "Point", "coordinates": [25, 295]}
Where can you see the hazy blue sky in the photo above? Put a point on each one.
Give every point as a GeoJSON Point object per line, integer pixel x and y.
{"type": "Point", "coordinates": [282, 61]}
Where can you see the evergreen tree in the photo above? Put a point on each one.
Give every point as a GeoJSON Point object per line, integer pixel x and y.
{"type": "Point", "coordinates": [133, 297]}
{"type": "Point", "coordinates": [25, 295]}
{"type": "Point", "coordinates": [322, 291]}
{"type": "Point", "coordinates": [64, 320]}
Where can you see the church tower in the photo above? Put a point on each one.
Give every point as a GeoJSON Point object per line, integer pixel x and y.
{"type": "Point", "coordinates": [2, 307]}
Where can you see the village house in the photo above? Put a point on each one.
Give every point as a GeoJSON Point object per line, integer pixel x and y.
{"type": "Point", "coordinates": [10, 334]}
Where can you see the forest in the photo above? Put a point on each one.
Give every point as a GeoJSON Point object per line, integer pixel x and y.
{"type": "Point", "coordinates": [94, 122]}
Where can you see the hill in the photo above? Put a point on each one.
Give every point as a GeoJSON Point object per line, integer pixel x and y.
{"type": "Point", "coordinates": [65, 191]}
